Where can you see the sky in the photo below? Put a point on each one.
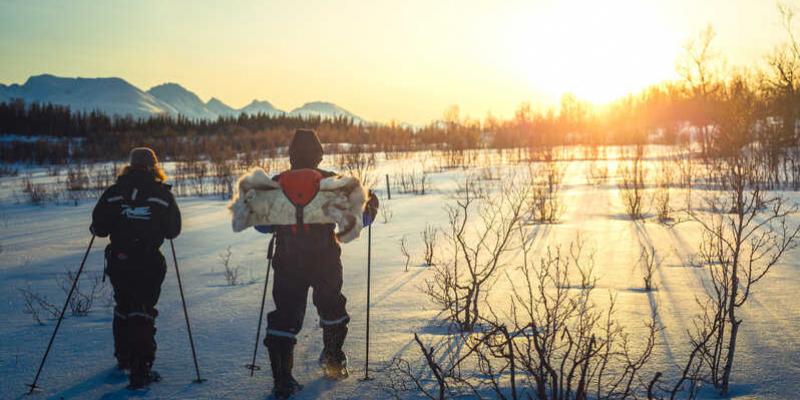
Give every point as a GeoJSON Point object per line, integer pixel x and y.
{"type": "Point", "coordinates": [384, 60]}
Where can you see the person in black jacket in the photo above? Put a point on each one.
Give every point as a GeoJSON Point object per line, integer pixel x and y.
{"type": "Point", "coordinates": [138, 212]}
{"type": "Point", "coordinates": [307, 256]}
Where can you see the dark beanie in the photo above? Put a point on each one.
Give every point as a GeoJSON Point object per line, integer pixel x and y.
{"type": "Point", "coordinates": [143, 157]}
{"type": "Point", "coordinates": [305, 151]}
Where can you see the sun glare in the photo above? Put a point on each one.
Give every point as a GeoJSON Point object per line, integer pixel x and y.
{"type": "Point", "coordinates": [598, 51]}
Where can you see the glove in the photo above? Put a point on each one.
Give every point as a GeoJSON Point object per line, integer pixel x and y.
{"type": "Point", "coordinates": [371, 209]}
{"type": "Point", "coordinates": [264, 228]}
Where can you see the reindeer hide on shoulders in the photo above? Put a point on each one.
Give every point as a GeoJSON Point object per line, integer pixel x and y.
{"type": "Point", "coordinates": [260, 201]}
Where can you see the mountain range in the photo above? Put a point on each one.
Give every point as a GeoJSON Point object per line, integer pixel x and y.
{"type": "Point", "coordinates": [115, 96]}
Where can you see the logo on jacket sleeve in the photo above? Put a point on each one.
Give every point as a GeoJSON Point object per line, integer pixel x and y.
{"type": "Point", "coordinates": [142, 213]}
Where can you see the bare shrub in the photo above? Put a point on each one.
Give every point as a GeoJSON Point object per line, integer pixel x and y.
{"type": "Point", "coordinates": [429, 236]}
{"type": "Point", "coordinates": [481, 233]}
{"type": "Point", "coordinates": [744, 237]}
{"type": "Point", "coordinates": [557, 340]}
{"type": "Point", "coordinates": [661, 202]}
{"type": "Point", "coordinates": [545, 201]}
{"type": "Point", "coordinates": [649, 263]}
{"type": "Point", "coordinates": [584, 263]}
{"type": "Point", "coordinates": [36, 305]}
{"type": "Point", "coordinates": [661, 197]}
{"type": "Point", "coordinates": [359, 164]}
{"type": "Point", "coordinates": [230, 272]}
{"type": "Point", "coordinates": [597, 173]}
{"type": "Point", "coordinates": [224, 177]}
{"type": "Point", "coordinates": [199, 171]}
{"type": "Point", "coordinates": [37, 192]}
{"type": "Point", "coordinates": [84, 297]}
{"type": "Point", "coordinates": [386, 212]}
{"type": "Point", "coordinates": [412, 182]}
{"type": "Point", "coordinates": [404, 251]}
{"type": "Point", "coordinates": [403, 377]}
{"type": "Point", "coordinates": [77, 179]}
{"type": "Point", "coordinates": [551, 342]}
{"type": "Point", "coordinates": [631, 188]}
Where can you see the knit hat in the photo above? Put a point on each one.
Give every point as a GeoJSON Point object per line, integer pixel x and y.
{"type": "Point", "coordinates": [305, 151]}
{"type": "Point", "coordinates": [143, 157]}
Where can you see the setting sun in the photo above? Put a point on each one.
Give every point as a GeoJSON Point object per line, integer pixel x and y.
{"type": "Point", "coordinates": [598, 51]}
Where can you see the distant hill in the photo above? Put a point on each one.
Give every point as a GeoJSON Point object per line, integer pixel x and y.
{"type": "Point", "coordinates": [115, 96]}
{"type": "Point", "coordinates": [260, 107]}
{"type": "Point", "coordinates": [217, 107]}
{"type": "Point", "coordinates": [111, 95]}
{"type": "Point", "coordinates": [182, 101]}
{"type": "Point", "coordinates": [323, 109]}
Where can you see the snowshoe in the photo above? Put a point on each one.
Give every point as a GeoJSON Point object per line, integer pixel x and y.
{"type": "Point", "coordinates": [334, 366]}
{"type": "Point", "coordinates": [140, 381]}
{"type": "Point", "coordinates": [285, 390]}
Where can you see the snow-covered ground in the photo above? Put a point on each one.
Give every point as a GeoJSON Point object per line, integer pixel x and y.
{"type": "Point", "coordinates": [41, 243]}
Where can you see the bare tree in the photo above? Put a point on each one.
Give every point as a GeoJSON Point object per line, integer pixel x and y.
{"type": "Point", "coordinates": [359, 163]}
{"type": "Point", "coordinates": [649, 263]}
{"type": "Point", "coordinates": [545, 201]}
{"type": "Point", "coordinates": [82, 299]}
{"type": "Point", "coordinates": [551, 342]}
{"type": "Point", "coordinates": [632, 185]}
{"type": "Point", "coordinates": [35, 305]}
{"type": "Point", "coordinates": [404, 250]}
{"type": "Point", "coordinates": [230, 272]}
{"type": "Point", "coordinates": [698, 66]}
{"type": "Point", "coordinates": [429, 237]}
{"type": "Point", "coordinates": [386, 212]}
{"type": "Point", "coordinates": [481, 233]}
{"type": "Point", "coordinates": [744, 236]}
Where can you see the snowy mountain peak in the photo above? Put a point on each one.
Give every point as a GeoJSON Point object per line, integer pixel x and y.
{"type": "Point", "coordinates": [115, 96]}
{"type": "Point", "coordinates": [216, 106]}
{"type": "Point", "coordinates": [261, 107]}
{"type": "Point", "coordinates": [323, 109]}
{"type": "Point", "coordinates": [184, 102]}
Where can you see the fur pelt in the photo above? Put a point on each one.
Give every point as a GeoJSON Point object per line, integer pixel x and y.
{"type": "Point", "coordinates": [260, 201]}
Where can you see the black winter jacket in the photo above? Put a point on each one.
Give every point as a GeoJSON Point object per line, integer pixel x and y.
{"type": "Point", "coordinates": [138, 212]}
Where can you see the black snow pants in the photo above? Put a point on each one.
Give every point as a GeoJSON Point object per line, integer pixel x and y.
{"type": "Point", "coordinates": [136, 277]}
{"type": "Point", "coordinates": [306, 258]}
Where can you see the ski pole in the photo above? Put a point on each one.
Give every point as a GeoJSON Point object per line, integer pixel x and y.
{"type": "Point", "coordinates": [185, 313]}
{"type": "Point", "coordinates": [252, 367]}
{"type": "Point", "coordinates": [369, 272]}
{"type": "Point", "coordinates": [61, 317]}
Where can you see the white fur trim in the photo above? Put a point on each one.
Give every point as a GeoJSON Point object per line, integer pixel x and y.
{"type": "Point", "coordinates": [260, 201]}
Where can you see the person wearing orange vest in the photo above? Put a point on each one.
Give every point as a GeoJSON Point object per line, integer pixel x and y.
{"type": "Point", "coordinates": [307, 256]}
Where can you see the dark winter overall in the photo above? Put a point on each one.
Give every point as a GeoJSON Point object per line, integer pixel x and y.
{"type": "Point", "coordinates": [138, 212]}
{"type": "Point", "coordinates": [307, 256]}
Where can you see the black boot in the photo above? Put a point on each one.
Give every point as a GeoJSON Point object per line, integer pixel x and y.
{"type": "Point", "coordinates": [141, 332]}
{"type": "Point", "coordinates": [121, 347]}
{"type": "Point", "coordinates": [142, 375]}
{"type": "Point", "coordinates": [333, 360]}
{"type": "Point", "coordinates": [281, 358]}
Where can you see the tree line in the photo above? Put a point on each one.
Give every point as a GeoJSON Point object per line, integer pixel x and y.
{"type": "Point", "coordinates": [720, 109]}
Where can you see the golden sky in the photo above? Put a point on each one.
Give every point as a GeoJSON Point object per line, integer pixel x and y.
{"type": "Point", "coordinates": [402, 60]}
